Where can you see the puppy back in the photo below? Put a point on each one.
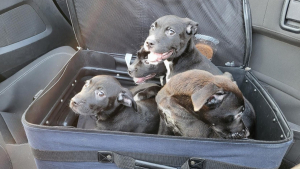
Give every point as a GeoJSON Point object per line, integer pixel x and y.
{"type": "Point", "coordinates": [189, 82]}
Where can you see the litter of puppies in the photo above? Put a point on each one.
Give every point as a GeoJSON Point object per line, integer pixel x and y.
{"type": "Point", "coordinates": [198, 100]}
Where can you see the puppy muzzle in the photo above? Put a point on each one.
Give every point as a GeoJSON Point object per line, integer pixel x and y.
{"type": "Point", "coordinates": [243, 134]}
{"type": "Point", "coordinates": [239, 135]}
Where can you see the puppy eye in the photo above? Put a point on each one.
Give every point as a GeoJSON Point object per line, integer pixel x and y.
{"type": "Point", "coordinates": [101, 94]}
{"type": "Point", "coordinates": [230, 118]}
{"type": "Point", "coordinates": [146, 57]}
{"type": "Point", "coordinates": [220, 93]}
{"type": "Point", "coordinates": [152, 27]}
{"type": "Point", "coordinates": [171, 32]}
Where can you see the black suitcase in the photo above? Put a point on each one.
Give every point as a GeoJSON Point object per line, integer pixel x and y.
{"type": "Point", "coordinates": [108, 29]}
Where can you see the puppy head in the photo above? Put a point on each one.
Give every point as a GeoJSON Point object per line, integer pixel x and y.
{"type": "Point", "coordinates": [168, 37]}
{"type": "Point", "coordinates": [141, 70]}
{"type": "Point", "coordinates": [100, 96]}
{"type": "Point", "coordinates": [221, 104]}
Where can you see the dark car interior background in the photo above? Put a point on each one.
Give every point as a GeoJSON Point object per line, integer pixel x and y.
{"type": "Point", "coordinates": [37, 40]}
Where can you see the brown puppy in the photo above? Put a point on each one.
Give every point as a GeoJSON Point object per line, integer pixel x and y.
{"type": "Point", "coordinates": [196, 103]}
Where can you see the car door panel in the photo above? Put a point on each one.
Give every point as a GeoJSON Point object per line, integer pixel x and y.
{"type": "Point", "coordinates": [266, 20]}
{"type": "Point", "coordinates": [29, 29]}
{"type": "Point", "coordinates": [275, 61]}
{"type": "Point", "coordinates": [6, 5]}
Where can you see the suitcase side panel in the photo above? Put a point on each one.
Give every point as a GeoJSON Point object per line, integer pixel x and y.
{"type": "Point", "coordinates": [259, 155]}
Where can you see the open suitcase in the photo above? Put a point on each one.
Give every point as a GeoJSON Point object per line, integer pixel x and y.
{"type": "Point", "coordinates": [108, 29]}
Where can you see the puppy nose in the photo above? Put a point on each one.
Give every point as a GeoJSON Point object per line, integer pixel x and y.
{"type": "Point", "coordinates": [150, 42]}
{"type": "Point", "coordinates": [75, 102]}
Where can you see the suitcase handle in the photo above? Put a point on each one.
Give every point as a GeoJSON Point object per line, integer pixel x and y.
{"type": "Point", "coordinates": [133, 160]}
{"type": "Point", "coordinates": [193, 163]}
{"type": "Point", "coordinates": [128, 162]}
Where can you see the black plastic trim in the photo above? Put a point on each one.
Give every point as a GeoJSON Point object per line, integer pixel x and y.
{"type": "Point", "coordinates": [287, 132]}
{"type": "Point", "coordinates": [248, 32]}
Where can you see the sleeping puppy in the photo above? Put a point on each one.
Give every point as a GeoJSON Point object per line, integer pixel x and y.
{"type": "Point", "coordinates": [141, 70]}
{"type": "Point", "coordinates": [198, 104]}
{"type": "Point", "coordinates": [171, 40]}
{"type": "Point", "coordinates": [114, 106]}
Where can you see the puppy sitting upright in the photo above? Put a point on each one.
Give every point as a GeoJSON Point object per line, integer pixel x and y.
{"type": "Point", "coordinates": [198, 104]}
{"type": "Point", "coordinates": [171, 39]}
{"type": "Point", "coordinates": [115, 108]}
{"type": "Point", "coordinates": [141, 70]}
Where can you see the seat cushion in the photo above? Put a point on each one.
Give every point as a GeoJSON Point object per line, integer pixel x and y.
{"type": "Point", "coordinates": [5, 131]}
{"type": "Point", "coordinates": [17, 92]}
{"type": "Point", "coordinates": [5, 161]}
{"type": "Point", "coordinates": [21, 156]}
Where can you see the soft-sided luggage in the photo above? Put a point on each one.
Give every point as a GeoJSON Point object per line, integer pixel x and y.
{"type": "Point", "coordinates": [108, 29]}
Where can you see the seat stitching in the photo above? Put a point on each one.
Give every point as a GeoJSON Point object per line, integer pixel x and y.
{"type": "Point", "coordinates": [29, 70]}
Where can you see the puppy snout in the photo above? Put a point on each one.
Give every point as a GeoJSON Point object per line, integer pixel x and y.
{"type": "Point", "coordinates": [131, 70]}
{"type": "Point", "coordinates": [150, 43]}
{"type": "Point", "coordinates": [75, 102]}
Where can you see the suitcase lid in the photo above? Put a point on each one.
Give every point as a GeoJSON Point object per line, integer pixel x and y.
{"type": "Point", "coordinates": [118, 26]}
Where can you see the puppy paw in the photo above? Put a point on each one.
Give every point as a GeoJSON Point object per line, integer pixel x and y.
{"type": "Point", "coordinates": [140, 96]}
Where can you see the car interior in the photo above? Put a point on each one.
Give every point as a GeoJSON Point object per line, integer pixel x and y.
{"type": "Point", "coordinates": [37, 40]}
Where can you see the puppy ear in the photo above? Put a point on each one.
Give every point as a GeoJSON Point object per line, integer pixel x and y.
{"type": "Point", "coordinates": [209, 95]}
{"type": "Point", "coordinates": [142, 53]}
{"type": "Point", "coordinates": [125, 98]}
{"type": "Point", "coordinates": [141, 50]}
{"type": "Point", "coordinates": [192, 27]}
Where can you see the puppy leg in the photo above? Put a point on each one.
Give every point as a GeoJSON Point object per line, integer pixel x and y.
{"type": "Point", "coordinates": [181, 120]}
{"type": "Point", "coordinates": [168, 116]}
{"type": "Point", "coordinates": [168, 65]}
{"type": "Point", "coordinates": [178, 118]}
{"type": "Point", "coordinates": [147, 93]}
{"type": "Point", "coordinates": [163, 128]}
